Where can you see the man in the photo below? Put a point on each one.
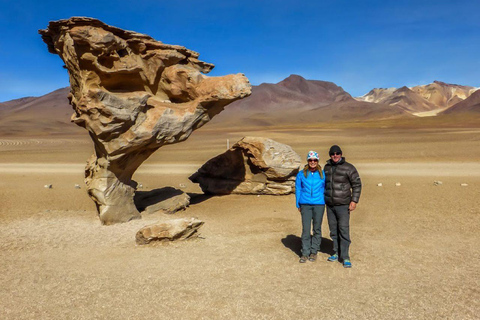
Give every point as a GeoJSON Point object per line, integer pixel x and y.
{"type": "Point", "coordinates": [342, 192]}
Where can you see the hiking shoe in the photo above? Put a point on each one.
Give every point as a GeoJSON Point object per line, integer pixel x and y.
{"type": "Point", "coordinates": [303, 259]}
{"type": "Point", "coordinates": [312, 257]}
{"type": "Point", "coordinates": [347, 263]}
{"type": "Point", "coordinates": [333, 258]}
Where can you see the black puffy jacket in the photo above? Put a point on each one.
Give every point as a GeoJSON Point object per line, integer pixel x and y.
{"type": "Point", "coordinates": [342, 183]}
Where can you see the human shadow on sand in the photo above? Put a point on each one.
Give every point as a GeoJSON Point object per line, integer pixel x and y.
{"type": "Point", "coordinates": [294, 243]}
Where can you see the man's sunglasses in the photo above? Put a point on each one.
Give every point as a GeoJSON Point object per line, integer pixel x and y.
{"type": "Point", "coordinates": [335, 154]}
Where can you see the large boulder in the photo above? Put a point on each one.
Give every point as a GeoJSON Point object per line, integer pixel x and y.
{"type": "Point", "coordinates": [172, 230]}
{"type": "Point", "coordinates": [133, 94]}
{"type": "Point", "coordinates": [253, 165]}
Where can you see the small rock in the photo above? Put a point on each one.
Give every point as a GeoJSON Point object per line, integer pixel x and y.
{"type": "Point", "coordinates": [178, 229]}
{"type": "Point", "coordinates": [77, 186]}
{"type": "Point", "coordinates": [182, 185]}
{"type": "Point", "coordinates": [437, 183]}
{"type": "Point", "coordinates": [48, 186]}
{"type": "Point", "coordinates": [464, 184]}
{"type": "Point", "coordinates": [140, 186]}
{"type": "Point", "coordinates": [380, 184]}
{"type": "Point", "coordinates": [398, 184]}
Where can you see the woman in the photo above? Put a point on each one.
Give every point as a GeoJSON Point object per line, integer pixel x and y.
{"type": "Point", "coordinates": [309, 190]}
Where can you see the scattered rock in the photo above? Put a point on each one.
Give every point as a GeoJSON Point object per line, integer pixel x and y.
{"type": "Point", "coordinates": [168, 200]}
{"type": "Point", "coordinates": [77, 186]}
{"type": "Point", "coordinates": [380, 184]}
{"type": "Point", "coordinates": [134, 95]}
{"type": "Point", "coordinates": [172, 230]}
{"type": "Point", "coordinates": [464, 184]}
{"type": "Point", "coordinates": [140, 186]}
{"type": "Point", "coordinates": [253, 165]}
{"type": "Point", "coordinates": [398, 184]}
{"type": "Point", "coordinates": [48, 186]}
{"type": "Point", "coordinates": [437, 183]}
{"type": "Point", "coordinates": [183, 185]}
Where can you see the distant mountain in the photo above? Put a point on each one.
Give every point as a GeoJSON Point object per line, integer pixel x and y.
{"type": "Point", "coordinates": [38, 115]}
{"type": "Point", "coordinates": [294, 92]}
{"type": "Point", "coordinates": [294, 100]}
{"type": "Point", "coordinates": [469, 105]}
{"type": "Point", "coordinates": [297, 100]}
{"type": "Point", "coordinates": [421, 100]}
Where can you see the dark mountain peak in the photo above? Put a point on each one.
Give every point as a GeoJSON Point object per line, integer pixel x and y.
{"type": "Point", "coordinates": [300, 84]}
{"type": "Point", "coordinates": [403, 89]}
{"type": "Point", "coordinates": [293, 78]}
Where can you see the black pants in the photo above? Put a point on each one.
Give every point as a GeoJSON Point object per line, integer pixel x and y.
{"type": "Point", "coordinates": [339, 224]}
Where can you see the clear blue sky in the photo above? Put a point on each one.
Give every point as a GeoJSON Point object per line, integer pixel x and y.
{"type": "Point", "coordinates": [358, 45]}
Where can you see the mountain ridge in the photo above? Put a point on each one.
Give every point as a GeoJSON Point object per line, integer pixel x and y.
{"type": "Point", "coordinates": [294, 100]}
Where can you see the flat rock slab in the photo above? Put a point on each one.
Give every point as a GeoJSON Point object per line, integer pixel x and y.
{"type": "Point", "coordinates": [167, 200]}
{"type": "Point", "coordinates": [171, 230]}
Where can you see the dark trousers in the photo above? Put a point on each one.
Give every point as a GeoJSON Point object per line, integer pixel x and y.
{"type": "Point", "coordinates": [311, 244]}
{"type": "Point", "coordinates": [339, 224]}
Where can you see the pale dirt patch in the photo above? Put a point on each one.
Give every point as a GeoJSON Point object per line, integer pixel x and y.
{"type": "Point", "coordinates": [415, 247]}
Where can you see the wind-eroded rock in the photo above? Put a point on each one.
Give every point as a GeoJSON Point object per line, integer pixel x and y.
{"type": "Point", "coordinates": [133, 94]}
{"type": "Point", "coordinates": [253, 165]}
{"type": "Point", "coordinates": [177, 229]}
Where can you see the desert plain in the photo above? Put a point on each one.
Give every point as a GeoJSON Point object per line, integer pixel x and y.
{"type": "Point", "coordinates": [415, 247]}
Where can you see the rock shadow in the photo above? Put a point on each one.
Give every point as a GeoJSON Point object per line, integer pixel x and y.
{"type": "Point", "coordinates": [144, 199]}
{"type": "Point", "coordinates": [196, 198]}
{"type": "Point", "coordinates": [294, 243]}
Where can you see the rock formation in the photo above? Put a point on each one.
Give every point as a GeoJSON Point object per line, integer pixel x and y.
{"type": "Point", "coordinates": [133, 94]}
{"type": "Point", "coordinates": [167, 200]}
{"type": "Point", "coordinates": [253, 165]}
{"type": "Point", "coordinates": [177, 229]}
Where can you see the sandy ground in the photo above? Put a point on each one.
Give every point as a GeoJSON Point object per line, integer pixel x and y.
{"type": "Point", "coordinates": [415, 249]}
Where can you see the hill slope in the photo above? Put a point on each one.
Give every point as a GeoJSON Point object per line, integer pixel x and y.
{"type": "Point", "coordinates": [424, 100]}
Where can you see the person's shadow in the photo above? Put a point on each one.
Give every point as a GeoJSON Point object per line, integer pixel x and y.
{"type": "Point", "coordinates": [294, 243]}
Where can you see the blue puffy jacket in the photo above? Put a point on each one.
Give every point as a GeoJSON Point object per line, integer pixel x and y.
{"type": "Point", "coordinates": [309, 190]}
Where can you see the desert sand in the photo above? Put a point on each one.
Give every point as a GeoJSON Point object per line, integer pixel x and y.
{"type": "Point", "coordinates": [415, 247]}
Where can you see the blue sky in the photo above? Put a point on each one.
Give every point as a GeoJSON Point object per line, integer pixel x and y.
{"type": "Point", "coordinates": [359, 45]}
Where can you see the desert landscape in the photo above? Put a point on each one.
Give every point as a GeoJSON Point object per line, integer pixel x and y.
{"type": "Point", "coordinates": [415, 241]}
{"type": "Point", "coordinates": [415, 247]}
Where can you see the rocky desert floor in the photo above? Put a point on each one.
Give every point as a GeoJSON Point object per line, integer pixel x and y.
{"type": "Point", "coordinates": [415, 247]}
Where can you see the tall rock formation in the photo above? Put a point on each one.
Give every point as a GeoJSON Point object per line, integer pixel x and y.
{"type": "Point", "coordinates": [133, 94]}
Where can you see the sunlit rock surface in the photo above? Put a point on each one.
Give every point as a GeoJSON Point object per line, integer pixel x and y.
{"type": "Point", "coordinates": [253, 165]}
{"type": "Point", "coordinates": [133, 94]}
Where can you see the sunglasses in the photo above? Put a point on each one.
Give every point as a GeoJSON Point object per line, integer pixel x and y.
{"type": "Point", "coordinates": [314, 160]}
{"type": "Point", "coordinates": [335, 154]}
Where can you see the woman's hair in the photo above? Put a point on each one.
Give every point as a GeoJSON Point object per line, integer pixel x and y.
{"type": "Point", "coordinates": [306, 169]}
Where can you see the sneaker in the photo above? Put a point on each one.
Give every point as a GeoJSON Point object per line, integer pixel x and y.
{"type": "Point", "coordinates": [312, 257]}
{"type": "Point", "coordinates": [333, 258]}
{"type": "Point", "coordinates": [303, 259]}
{"type": "Point", "coordinates": [347, 263]}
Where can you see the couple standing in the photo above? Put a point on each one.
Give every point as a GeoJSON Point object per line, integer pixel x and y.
{"type": "Point", "coordinates": [338, 186]}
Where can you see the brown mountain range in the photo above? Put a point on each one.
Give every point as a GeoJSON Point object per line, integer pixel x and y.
{"type": "Point", "coordinates": [469, 105]}
{"type": "Point", "coordinates": [48, 114]}
{"type": "Point", "coordinates": [293, 100]}
{"type": "Point", "coordinates": [424, 100]}
{"type": "Point", "coordinates": [297, 100]}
